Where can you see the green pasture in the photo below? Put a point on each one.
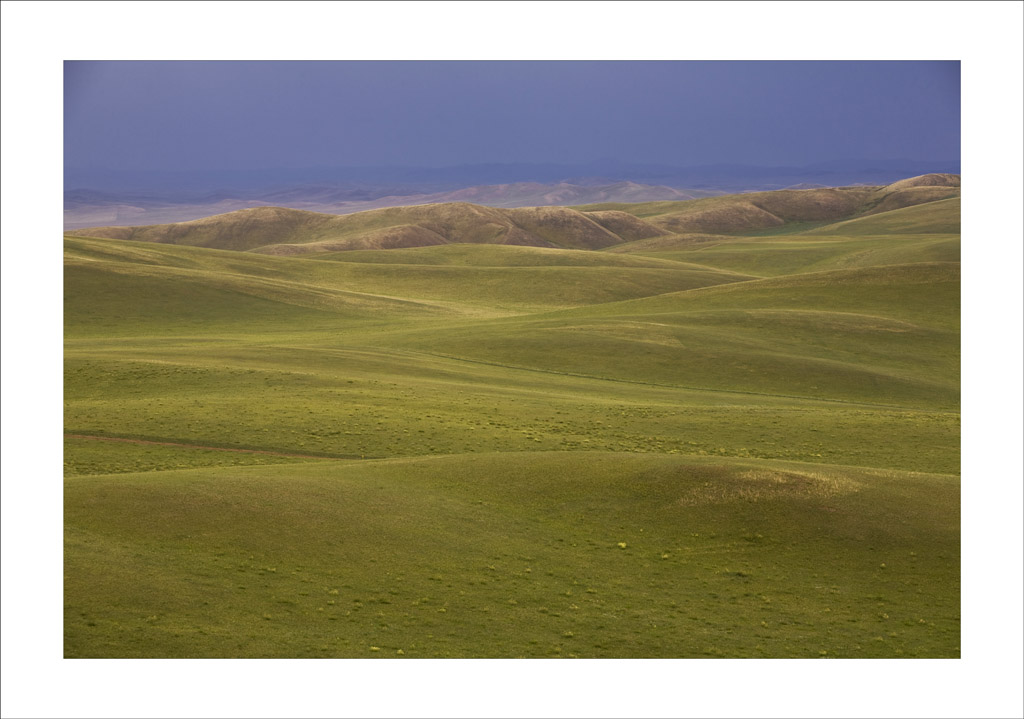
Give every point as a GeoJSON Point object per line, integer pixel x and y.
{"type": "Point", "coordinates": [374, 403]}
{"type": "Point", "coordinates": [746, 446]}
{"type": "Point", "coordinates": [813, 253]}
{"type": "Point", "coordinates": [514, 555]}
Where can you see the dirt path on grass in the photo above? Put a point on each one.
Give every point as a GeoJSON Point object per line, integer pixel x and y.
{"type": "Point", "coordinates": [199, 446]}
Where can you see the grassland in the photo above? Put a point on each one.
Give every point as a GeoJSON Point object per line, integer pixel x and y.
{"type": "Point", "coordinates": [505, 555]}
{"type": "Point", "coordinates": [735, 443]}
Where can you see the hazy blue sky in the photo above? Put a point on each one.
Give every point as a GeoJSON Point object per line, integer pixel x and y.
{"type": "Point", "coordinates": [249, 115]}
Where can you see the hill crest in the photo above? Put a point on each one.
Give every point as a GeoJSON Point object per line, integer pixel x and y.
{"type": "Point", "coordinates": [279, 230]}
{"type": "Point", "coordinates": [286, 231]}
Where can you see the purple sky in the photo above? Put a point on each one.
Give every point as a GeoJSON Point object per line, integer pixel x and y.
{"type": "Point", "coordinates": [157, 116]}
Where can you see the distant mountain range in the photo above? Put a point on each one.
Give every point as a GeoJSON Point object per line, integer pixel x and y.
{"type": "Point", "coordinates": [110, 198]}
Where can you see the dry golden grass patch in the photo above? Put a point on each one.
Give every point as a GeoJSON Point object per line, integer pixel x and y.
{"type": "Point", "coordinates": [761, 485]}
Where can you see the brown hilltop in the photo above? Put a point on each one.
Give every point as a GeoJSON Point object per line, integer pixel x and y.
{"type": "Point", "coordinates": [734, 217]}
{"type": "Point", "coordinates": [277, 230]}
{"type": "Point", "coordinates": [914, 191]}
{"type": "Point", "coordinates": [625, 225]}
{"type": "Point", "coordinates": [930, 180]}
{"type": "Point", "coordinates": [757, 211]}
{"type": "Point", "coordinates": [562, 227]}
{"type": "Point", "coordinates": [913, 195]}
{"type": "Point", "coordinates": [761, 210]}
{"type": "Point", "coordinates": [238, 230]}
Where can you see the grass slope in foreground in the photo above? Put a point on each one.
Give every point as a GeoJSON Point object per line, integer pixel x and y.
{"type": "Point", "coordinates": [512, 451]}
{"type": "Point", "coordinates": [505, 555]}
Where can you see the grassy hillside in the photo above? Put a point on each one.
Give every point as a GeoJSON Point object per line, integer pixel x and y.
{"type": "Point", "coordinates": [159, 286]}
{"type": "Point", "coordinates": [281, 231]}
{"type": "Point", "coordinates": [927, 232]}
{"type": "Point", "coordinates": [674, 445]}
{"type": "Point", "coordinates": [625, 225]}
{"type": "Point", "coordinates": [777, 256]}
{"type": "Point", "coordinates": [939, 217]}
{"type": "Point", "coordinates": [788, 211]}
{"type": "Point", "coordinates": [884, 335]}
{"type": "Point", "coordinates": [495, 256]}
{"type": "Point", "coordinates": [509, 555]}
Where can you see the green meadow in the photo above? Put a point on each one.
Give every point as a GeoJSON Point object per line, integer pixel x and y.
{"type": "Point", "coordinates": [731, 443]}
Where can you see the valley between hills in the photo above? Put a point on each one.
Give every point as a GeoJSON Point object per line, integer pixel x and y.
{"type": "Point", "coordinates": [719, 427]}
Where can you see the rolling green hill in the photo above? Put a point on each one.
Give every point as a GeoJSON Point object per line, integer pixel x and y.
{"type": "Point", "coordinates": [163, 279]}
{"type": "Point", "coordinates": [806, 252]}
{"type": "Point", "coordinates": [639, 442]}
{"type": "Point", "coordinates": [938, 217]}
{"type": "Point", "coordinates": [498, 555]}
{"type": "Point", "coordinates": [855, 335]}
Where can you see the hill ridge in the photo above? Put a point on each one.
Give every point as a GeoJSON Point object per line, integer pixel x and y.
{"type": "Point", "coordinates": [280, 230]}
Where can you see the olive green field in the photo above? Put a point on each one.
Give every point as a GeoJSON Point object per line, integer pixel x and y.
{"type": "Point", "coordinates": [725, 427]}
